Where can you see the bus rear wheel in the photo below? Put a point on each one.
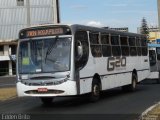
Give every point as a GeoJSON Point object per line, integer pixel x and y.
{"type": "Point", "coordinates": [96, 89]}
{"type": "Point", "coordinates": [47, 100]}
{"type": "Point", "coordinates": [132, 86]}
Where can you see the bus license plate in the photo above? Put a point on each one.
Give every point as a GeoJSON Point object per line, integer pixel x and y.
{"type": "Point", "coordinates": [42, 90]}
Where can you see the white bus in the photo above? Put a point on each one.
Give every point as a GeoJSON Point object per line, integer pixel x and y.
{"type": "Point", "coordinates": [67, 60]}
{"type": "Point", "coordinates": [154, 56]}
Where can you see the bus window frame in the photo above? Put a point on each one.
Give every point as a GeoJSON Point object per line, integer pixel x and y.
{"type": "Point", "coordinates": [116, 48]}
{"type": "Point", "coordinates": [96, 53]}
{"type": "Point", "coordinates": [106, 48]}
{"type": "Point", "coordinates": [123, 46]}
{"type": "Point", "coordinates": [132, 47]}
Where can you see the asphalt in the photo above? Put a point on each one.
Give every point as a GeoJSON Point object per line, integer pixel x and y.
{"type": "Point", "coordinates": [113, 103]}
{"type": "Point", "coordinates": [7, 81]}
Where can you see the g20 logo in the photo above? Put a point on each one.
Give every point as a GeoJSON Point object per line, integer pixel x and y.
{"type": "Point", "coordinates": [116, 62]}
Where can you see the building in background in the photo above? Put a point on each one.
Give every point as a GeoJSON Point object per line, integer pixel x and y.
{"type": "Point", "coordinates": [154, 37]}
{"type": "Point", "coordinates": [154, 34]}
{"type": "Point", "coordinates": [19, 14]}
{"type": "Point", "coordinates": [150, 29]}
{"type": "Point", "coordinates": [123, 29]}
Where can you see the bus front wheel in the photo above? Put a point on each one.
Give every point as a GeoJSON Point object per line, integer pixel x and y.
{"type": "Point", "coordinates": [47, 100]}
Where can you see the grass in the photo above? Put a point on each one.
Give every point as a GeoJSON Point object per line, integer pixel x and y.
{"type": "Point", "coordinates": [7, 93]}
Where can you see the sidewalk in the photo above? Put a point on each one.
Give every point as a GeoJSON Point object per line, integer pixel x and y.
{"type": "Point", "coordinates": [153, 113]}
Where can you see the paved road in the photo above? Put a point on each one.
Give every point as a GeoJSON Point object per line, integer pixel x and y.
{"type": "Point", "coordinates": [113, 102]}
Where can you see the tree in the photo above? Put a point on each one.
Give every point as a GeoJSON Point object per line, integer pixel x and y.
{"type": "Point", "coordinates": [144, 27]}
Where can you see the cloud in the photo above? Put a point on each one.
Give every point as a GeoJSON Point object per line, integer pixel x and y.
{"type": "Point", "coordinates": [95, 23]}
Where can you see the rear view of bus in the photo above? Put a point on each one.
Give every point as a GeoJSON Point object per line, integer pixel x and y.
{"type": "Point", "coordinates": [154, 55]}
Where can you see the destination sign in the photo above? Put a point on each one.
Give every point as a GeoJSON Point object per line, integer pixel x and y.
{"type": "Point", "coordinates": [42, 32]}
{"type": "Point", "coordinates": [34, 33]}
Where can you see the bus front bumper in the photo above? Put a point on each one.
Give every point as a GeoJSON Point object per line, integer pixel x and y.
{"type": "Point", "coordinates": [65, 89]}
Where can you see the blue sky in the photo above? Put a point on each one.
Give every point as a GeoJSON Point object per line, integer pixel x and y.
{"type": "Point", "coordinates": [112, 13]}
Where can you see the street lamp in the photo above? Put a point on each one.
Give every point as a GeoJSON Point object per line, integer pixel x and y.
{"type": "Point", "coordinates": [158, 5]}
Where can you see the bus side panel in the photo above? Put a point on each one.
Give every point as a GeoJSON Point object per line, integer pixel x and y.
{"type": "Point", "coordinates": [111, 79]}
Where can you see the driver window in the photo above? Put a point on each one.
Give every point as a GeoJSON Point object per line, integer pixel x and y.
{"type": "Point", "coordinates": [81, 49]}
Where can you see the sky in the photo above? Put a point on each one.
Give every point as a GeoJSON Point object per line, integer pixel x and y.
{"type": "Point", "coordinates": [109, 13]}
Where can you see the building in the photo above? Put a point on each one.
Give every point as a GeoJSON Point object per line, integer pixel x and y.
{"type": "Point", "coordinates": [151, 29]}
{"type": "Point", "coordinates": [153, 36]}
{"type": "Point", "coordinates": [18, 14]}
{"type": "Point", "coordinates": [123, 29]}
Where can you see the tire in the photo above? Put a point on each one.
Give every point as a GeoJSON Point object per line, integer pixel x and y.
{"type": "Point", "coordinates": [132, 86]}
{"type": "Point", "coordinates": [47, 100]}
{"type": "Point", "coordinates": [96, 90]}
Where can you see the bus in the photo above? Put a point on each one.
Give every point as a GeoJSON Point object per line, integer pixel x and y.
{"type": "Point", "coordinates": [68, 60]}
{"type": "Point", "coordinates": [154, 57]}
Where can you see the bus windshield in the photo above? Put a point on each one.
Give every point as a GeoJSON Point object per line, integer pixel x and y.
{"type": "Point", "coordinates": [44, 55]}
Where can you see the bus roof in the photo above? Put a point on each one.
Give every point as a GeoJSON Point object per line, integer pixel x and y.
{"type": "Point", "coordinates": [91, 28]}
{"type": "Point", "coordinates": [87, 28]}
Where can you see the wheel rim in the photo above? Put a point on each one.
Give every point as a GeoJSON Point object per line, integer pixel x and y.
{"type": "Point", "coordinates": [134, 83]}
{"type": "Point", "coordinates": [96, 90]}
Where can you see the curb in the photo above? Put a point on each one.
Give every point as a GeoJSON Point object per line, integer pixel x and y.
{"type": "Point", "coordinates": [149, 109]}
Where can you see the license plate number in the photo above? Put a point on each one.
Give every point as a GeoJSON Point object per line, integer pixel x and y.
{"type": "Point", "coordinates": [42, 90]}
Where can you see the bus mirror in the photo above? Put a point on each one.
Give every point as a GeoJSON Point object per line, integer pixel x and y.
{"type": "Point", "coordinates": [80, 49]}
{"type": "Point", "coordinates": [12, 58]}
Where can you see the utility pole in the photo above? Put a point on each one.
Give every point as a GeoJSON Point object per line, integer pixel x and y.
{"type": "Point", "coordinates": [158, 5]}
{"type": "Point", "coordinates": [28, 13]}
{"type": "Point", "coordinates": [56, 11]}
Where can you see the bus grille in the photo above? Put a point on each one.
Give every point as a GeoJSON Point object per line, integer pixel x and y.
{"type": "Point", "coordinates": [48, 92]}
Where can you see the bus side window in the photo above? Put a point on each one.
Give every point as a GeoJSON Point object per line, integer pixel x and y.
{"type": "Point", "coordinates": [124, 45]}
{"type": "Point", "coordinates": [144, 46]}
{"type": "Point", "coordinates": [81, 43]}
{"type": "Point", "coordinates": [152, 57]}
{"type": "Point", "coordinates": [116, 49]}
{"type": "Point", "coordinates": [106, 47]}
{"type": "Point", "coordinates": [96, 48]}
{"type": "Point", "coordinates": [138, 43]}
{"type": "Point", "coordinates": [132, 44]}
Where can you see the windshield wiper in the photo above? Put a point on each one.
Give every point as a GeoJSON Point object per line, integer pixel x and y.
{"type": "Point", "coordinates": [50, 48]}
